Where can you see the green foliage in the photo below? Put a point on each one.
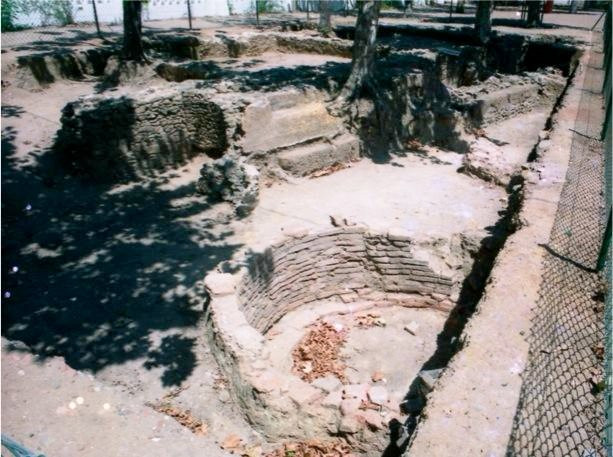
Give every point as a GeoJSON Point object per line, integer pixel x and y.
{"type": "Point", "coordinates": [392, 4]}
{"type": "Point", "coordinates": [267, 6]}
{"type": "Point", "coordinates": [58, 12]}
{"type": "Point", "coordinates": [9, 10]}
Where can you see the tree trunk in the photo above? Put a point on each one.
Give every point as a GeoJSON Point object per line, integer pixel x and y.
{"type": "Point", "coordinates": [257, 12]}
{"type": "Point", "coordinates": [364, 47]}
{"type": "Point", "coordinates": [325, 24]}
{"type": "Point", "coordinates": [483, 21]}
{"type": "Point", "coordinates": [534, 13]}
{"type": "Point", "coordinates": [408, 7]}
{"type": "Point", "coordinates": [132, 31]}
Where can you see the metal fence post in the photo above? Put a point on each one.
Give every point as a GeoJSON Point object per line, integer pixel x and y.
{"type": "Point", "coordinates": [189, 14]}
{"type": "Point", "coordinates": [96, 18]}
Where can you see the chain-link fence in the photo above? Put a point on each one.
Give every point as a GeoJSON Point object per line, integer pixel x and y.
{"type": "Point", "coordinates": [26, 22]}
{"type": "Point", "coordinates": [31, 22]}
{"type": "Point", "coordinates": [606, 253]}
{"type": "Point", "coordinates": [561, 410]}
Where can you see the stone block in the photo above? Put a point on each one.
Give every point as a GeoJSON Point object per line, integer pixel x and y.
{"type": "Point", "coordinates": [355, 391]}
{"type": "Point", "coordinates": [267, 382]}
{"type": "Point", "coordinates": [347, 146]}
{"type": "Point", "coordinates": [427, 379]}
{"type": "Point", "coordinates": [373, 419]}
{"type": "Point", "coordinates": [333, 399]}
{"type": "Point", "coordinates": [398, 234]}
{"type": "Point", "coordinates": [220, 284]}
{"type": "Point", "coordinates": [350, 406]}
{"type": "Point", "coordinates": [285, 127]}
{"type": "Point", "coordinates": [378, 395]}
{"type": "Point", "coordinates": [302, 393]}
{"type": "Point", "coordinates": [412, 327]}
{"type": "Point", "coordinates": [349, 424]}
{"type": "Point", "coordinates": [328, 383]}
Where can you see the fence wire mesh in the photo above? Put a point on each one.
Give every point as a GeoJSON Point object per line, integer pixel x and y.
{"type": "Point", "coordinates": [32, 22]}
{"type": "Point", "coordinates": [561, 408]}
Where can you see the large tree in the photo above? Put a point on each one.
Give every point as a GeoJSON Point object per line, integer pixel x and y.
{"type": "Point", "coordinates": [364, 47]}
{"type": "Point", "coordinates": [483, 21]}
{"type": "Point", "coordinates": [325, 14]}
{"type": "Point", "coordinates": [132, 30]}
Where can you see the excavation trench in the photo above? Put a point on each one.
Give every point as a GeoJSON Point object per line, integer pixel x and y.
{"type": "Point", "coordinates": [338, 332]}
{"type": "Point", "coordinates": [345, 332]}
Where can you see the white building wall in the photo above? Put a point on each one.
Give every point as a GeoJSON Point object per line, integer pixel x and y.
{"type": "Point", "coordinates": [111, 11]}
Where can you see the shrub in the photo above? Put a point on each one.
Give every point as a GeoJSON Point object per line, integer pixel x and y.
{"type": "Point", "coordinates": [60, 12]}
{"type": "Point", "coordinates": [9, 12]}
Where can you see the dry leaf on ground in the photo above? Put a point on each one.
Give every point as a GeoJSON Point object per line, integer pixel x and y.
{"type": "Point", "coordinates": [312, 448]}
{"type": "Point", "coordinates": [184, 418]}
{"type": "Point", "coordinates": [231, 441]}
{"type": "Point", "coordinates": [318, 353]}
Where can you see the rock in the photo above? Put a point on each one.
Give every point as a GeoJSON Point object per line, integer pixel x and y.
{"type": "Point", "coordinates": [302, 393]}
{"type": "Point", "coordinates": [403, 437]}
{"type": "Point", "coordinates": [543, 135]}
{"type": "Point", "coordinates": [220, 283]}
{"type": "Point", "coordinates": [339, 221]}
{"type": "Point", "coordinates": [373, 419]}
{"type": "Point", "coordinates": [265, 382]}
{"type": "Point", "coordinates": [489, 162]}
{"type": "Point", "coordinates": [232, 180]}
{"type": "Point", "coordinates": [412, 327]}
{"type": "Point", "coordinates": [378, 395]}
{"type": "Point", "coordinates": [355, 391]}
{"type": "Point", "coordinates": [398, 234]}
{"type": "Point", "coordinates": [224, 396]}
{"type": "Point", "coordinates": [328, 383]}
{"type": "Point", "coordinates": [377, 376]}
{"type": "Point", "coordinates": [412, 405]}
{"type": "Point", "coordinates": [427, 380]}
{"type": "Point", "coordinates": [350, 406]}
{"type": "Point", "coordinates": [333, 399]}
{"type": "Point", "coordinates": [349, 424]}
{"type": "Point", "coordinates": [231, 442]}
{"type": "Point", "coordinates": [445, 305]}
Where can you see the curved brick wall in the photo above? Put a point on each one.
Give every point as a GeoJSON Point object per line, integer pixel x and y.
{"type": "Point", "coordinates": [344, 263]}
{"type": "Point", "coordinates": [348, 264]}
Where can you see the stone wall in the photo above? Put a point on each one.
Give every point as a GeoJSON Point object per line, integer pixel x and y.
{"type": "Point", "coordinates": [42, 69]}
{"type": "Point", "coordinates": [122, 138]}
{"type": "Point", "coordinates": [346, 263]}
{"type": "Point", "coordinates": [246, 44]}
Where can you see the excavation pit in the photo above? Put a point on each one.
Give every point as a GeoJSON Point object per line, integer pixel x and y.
{"type": "Point", "coordinates": [350, 285]}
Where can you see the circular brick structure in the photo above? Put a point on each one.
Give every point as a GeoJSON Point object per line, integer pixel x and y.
{"type": "Point", "coordinates": [348, 265]}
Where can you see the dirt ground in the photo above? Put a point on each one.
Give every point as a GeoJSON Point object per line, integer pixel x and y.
{"type": "Point", "coordinates": [98, 325]}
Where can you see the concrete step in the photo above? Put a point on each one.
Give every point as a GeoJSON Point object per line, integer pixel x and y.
{"type": "Point", "coordinates": [277, 122]}
{"type": "Point", "coordinates": [305, 159]}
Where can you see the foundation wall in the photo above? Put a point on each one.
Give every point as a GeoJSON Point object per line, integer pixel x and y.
{"type": "Point", "coordinates": [118, 139]}
{"type": "Point", "coordinates": [343, 263]}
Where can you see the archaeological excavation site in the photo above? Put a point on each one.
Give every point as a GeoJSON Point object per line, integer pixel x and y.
{"type": "Point", "coordinates": [306, 228]}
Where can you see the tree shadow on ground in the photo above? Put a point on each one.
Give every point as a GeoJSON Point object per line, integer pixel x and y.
{"type": "Point", "coordinates": [450, 340]}
{"type": "Point", "coordinates": [56, 41]}
{"type": "Point", "coordinates": [326, 76]}
{"type": "Point", "coordinates": [100, 277]}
